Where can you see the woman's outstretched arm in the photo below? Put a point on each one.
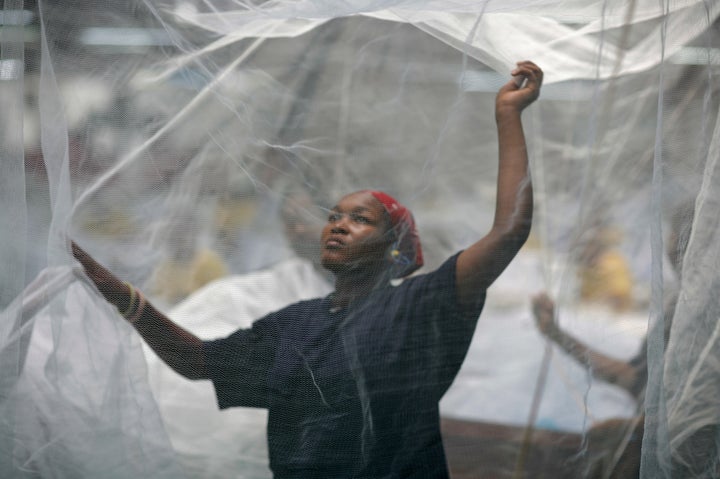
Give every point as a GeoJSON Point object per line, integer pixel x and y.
{"type": "Point", "coordinates": [480, 264]}
{"type": "Point", "coordinates": [178, 348]}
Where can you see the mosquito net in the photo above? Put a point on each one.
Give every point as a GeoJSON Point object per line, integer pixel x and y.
{"type": "Point", "coordinates": [194, 149]}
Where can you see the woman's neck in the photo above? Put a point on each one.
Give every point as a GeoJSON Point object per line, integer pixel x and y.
{"type": "Point", "coordinates": [351, 286]}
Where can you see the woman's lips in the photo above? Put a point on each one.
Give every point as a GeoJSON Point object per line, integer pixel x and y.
{"type": "Point", "coordinates": [334, 243]}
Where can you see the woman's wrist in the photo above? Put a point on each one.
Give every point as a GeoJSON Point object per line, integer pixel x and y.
{"type": "Point", "coordinates": [134, 316]}
{"type": "Point", "coordinates": [127, 302]}
{"type": "Point", "coordinates": [507, 112]}
{"type": "Point", "coordinates": [132, 306]}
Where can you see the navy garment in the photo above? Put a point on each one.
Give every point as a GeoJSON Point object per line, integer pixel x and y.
{"type": "Point", "coordinates": [352, 393]}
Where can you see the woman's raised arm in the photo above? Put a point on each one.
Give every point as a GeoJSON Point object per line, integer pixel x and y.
{"type": "Point", "coordinates": [178, 348]}
{"type": "Point", "coordinates": [480, 264]}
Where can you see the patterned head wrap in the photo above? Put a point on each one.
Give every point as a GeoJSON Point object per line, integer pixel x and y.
{"type": "Point", "coordinates": [406, 252]}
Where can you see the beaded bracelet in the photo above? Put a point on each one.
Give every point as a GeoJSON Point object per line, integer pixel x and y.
{"type": "Point", "coordinates": [140, 309]}
{"type": "Point", "coordinates": [131, 303]}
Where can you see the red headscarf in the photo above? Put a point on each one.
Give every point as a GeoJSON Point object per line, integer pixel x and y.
{"type": "Point", "coordinates": [406, 253]}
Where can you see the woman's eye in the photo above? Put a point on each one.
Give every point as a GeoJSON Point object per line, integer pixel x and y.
{"type": "Point", "coordinates": [360, 219]}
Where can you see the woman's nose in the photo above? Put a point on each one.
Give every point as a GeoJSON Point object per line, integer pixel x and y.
{"type": "Point", "coordinates": [339, 225]}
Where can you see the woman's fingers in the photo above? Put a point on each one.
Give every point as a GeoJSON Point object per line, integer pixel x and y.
{"type": "Point", "coordinates": [93, 269]}
{"type": "Point", "coordinates": [529, 70]}
{"type": "Point", "coordinates": [81, 255]}
{"type": "Point", "coordinates": [523, 89]}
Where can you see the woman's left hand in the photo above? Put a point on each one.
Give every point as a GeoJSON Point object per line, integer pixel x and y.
{"type": "Point", "coordinates": [114, 290]}
{"type": "Point", "coordinates": [522, 90]}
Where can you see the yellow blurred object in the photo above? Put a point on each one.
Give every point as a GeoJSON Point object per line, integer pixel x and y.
{"type": "Point", "coordinates": [109, 224]}
{"type": "Point", "coordinates": [608, 279]}
{"type": "Point", "coordinates": [174, 279]}
{"type": "Point", "coordinates": [233, 213]}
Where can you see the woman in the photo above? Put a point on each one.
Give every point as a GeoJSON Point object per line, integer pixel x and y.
{"type": "Point", "coordinates": [352, 381]}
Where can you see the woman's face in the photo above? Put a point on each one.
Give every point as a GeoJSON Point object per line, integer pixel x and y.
{"type": "Point", "coordinates": [356, 235]}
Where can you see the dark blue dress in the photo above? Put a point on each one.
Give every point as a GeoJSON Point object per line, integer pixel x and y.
{"type": "Point", "coordinates": [352, 393]}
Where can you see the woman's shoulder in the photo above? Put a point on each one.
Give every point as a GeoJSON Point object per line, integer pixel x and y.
{"type": "Point", "coordinates": [444, 273]}
{"type": "Point", "coordinates": [300, 308]}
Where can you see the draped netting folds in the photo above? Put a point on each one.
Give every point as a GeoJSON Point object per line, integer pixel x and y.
{"type": "Point", "coordinates": [166, 136]}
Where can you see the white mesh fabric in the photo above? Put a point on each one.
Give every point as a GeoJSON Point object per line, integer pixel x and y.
{"type": "Point", "coordinates": [172, 132]}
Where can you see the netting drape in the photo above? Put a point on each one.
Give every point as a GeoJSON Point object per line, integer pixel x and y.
{"type": "Point", "coordinates": [167, 136]}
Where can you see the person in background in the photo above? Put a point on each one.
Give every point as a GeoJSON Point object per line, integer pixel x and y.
{"type": "Point", "coordinates": [352, 381]}
{"type": "Point", "coordinates": [630, 375]}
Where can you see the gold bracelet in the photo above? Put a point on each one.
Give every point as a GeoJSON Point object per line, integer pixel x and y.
{"type": "Point", "coordinates": [132, 299]}
{"type": "Point", "coordinates": [140, 309]}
